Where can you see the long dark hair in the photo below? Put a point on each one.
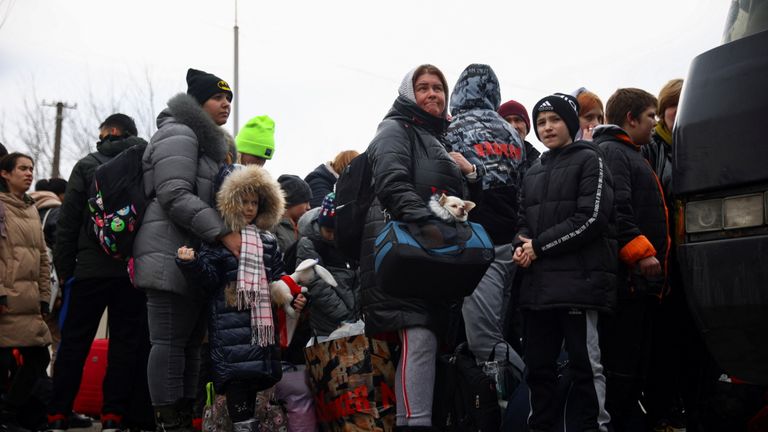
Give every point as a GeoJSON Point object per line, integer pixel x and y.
{"type": "Point", "coordinates": [8, 163]}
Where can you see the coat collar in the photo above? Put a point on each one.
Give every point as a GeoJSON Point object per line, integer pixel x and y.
{"type": "Point", "coordinates": [211, 138]}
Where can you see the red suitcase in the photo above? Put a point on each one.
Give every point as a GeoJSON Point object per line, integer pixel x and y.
{"type": "Point", "coordinates": [90, 397]}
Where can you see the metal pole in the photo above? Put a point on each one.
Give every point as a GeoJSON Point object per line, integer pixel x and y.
{"type": "Point", "coordinates": [57, 141]}
{"type": "Point", "coordinates": [236, 86]}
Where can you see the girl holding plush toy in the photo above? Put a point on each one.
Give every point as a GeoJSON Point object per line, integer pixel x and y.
{"type": "Point", "coordinates": [245, 351]}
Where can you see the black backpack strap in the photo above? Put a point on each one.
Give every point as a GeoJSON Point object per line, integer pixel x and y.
{"type": "Point", "coordinates": [100, 158]}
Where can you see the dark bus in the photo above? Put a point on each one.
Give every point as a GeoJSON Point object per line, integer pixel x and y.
{"type": "Point", "coordinates": [721, 187]}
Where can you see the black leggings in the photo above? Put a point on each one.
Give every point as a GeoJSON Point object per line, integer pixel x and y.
{"type": "Point", "coordinates": [35, 360]}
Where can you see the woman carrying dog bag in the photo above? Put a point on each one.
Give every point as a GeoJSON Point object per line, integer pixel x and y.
{"type": "Point", "coordinates": [409, 166]}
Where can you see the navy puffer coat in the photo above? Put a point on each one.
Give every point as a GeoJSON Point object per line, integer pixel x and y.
{"type": "Point", "coordinates": [233, 355]}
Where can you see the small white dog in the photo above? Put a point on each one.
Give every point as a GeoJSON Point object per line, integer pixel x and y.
{"type": "Point", "coordinates": [450, 208]}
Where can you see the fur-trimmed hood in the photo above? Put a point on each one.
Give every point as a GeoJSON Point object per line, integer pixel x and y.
{"type": "Point", "coordinates": [250, 179]}
{"type": "Point", "coordinates": [184, 109]}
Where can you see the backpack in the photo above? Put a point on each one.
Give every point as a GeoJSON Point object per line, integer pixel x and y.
{"type": "Point", "coordinates": [117, 202]}
{"type": "Point", "coordinates": [465, 398]}
{"type": "Point", "coordinates": [354, 195]}
{"type": "Point", "coordinates": [54, 277]}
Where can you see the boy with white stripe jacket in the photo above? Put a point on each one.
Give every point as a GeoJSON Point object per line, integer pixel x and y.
{"type": "Point", "coordinates": [564, 241]}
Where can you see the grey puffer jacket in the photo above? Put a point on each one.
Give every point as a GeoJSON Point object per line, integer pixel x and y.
{"type": "Point", "coordinates": [330, 306]}
{"type": "Point", "coordinates": [180, 165]}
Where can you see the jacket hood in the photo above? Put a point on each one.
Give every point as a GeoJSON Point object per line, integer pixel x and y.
{"type": "Point", "coordinates": [477, 88]}
{"type": "Point", "coordinates": [256, 180]}
{"type": "Point", "coordinates": [11, 199]}
{"type": "Point", "coordinates": [113, 147]}
{"type": "Point", "coordinates": [406, 110]}
{"type": "Point", "coordinates": [611, 132]}
{"type": "Point", "coordinates": [45, 199]}
{"type": "Point", "coordinates": [211, 138]}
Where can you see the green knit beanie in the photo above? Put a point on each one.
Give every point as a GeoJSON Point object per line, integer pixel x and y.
{"type": "Point", "coordinates": [257, 137]}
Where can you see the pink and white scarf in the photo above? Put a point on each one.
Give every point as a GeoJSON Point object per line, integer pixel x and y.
{"type": "Point", "coordinates": [253, 289]}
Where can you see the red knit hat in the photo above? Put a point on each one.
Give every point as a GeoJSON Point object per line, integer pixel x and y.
{"type": "Point", "coordinates": [515, 108]}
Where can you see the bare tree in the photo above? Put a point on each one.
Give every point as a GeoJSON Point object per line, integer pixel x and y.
{"type": "Point", "coordinates": [136, 100]}
{"type": "Point", "coordinates": [36, 131]}
{"type": "Point", "coordinates": [143, 101]}
{"type": "Point", "coordinates": [35, 126]}
{"type": "Point", "coordinates": [83, 126]}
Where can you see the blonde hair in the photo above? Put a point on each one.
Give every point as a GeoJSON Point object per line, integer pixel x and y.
{"type": "Point", "coordinates": [343, 159]}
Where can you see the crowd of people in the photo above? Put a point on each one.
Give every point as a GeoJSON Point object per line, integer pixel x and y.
{"type": "Point", "coordinates": [584, 261]}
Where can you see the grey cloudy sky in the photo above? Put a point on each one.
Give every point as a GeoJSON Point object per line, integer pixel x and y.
{"type": "Point", "coordinates": [327, 72]}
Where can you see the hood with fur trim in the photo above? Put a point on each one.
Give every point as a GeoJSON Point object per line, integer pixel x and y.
{"type": "Point", "coordinates": [212, 138]}
{"type": "Point", "coordinates": [247, 180]}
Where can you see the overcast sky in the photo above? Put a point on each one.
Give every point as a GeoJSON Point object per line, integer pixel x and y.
{"type": "Point", "coordinates": [327, 72]}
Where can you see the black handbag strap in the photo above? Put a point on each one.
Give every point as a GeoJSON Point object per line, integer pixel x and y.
{"type": "Point", "coordinates": [492, 356]}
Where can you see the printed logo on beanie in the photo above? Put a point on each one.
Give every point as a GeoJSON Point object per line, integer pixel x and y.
{"type": "Point", "coordinates": [546, 106]}
{"type": "Point", "coordinates": [569, 100]}
{"type": "Point", "coordinates": [224, 86]}
{"type": "Point", "coordinates": [268, 152]}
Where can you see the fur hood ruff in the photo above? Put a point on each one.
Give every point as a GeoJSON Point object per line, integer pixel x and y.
{"type": "Point", "coordinates": [211, 138]}
{"type": "Point", "coordinates": [250, 179]}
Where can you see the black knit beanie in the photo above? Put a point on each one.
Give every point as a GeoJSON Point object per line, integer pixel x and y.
{"type": "Point", "coordinates": [295, 189]}
{"type": "Point", "coordinates": [202, 85]}
{"type": "Point", "coordinates": [566, 106]}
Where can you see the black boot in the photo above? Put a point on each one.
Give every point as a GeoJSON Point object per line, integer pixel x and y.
{"type": "Point", "coordinates": [186, 410]}
{"type": "Point", "coordinates": [172, 418]}
{"type": "Point", "coordinates": [8, 419]}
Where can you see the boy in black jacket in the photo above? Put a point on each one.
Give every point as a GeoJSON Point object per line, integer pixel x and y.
{"type": "Point", "coordinates": [643, 236]}
{"type": "Point", "coordinates": [564, 242]}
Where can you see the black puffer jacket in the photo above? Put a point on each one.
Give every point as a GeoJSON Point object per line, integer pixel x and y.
{"type": "Point", "coordinates": [405, 174]}
{"type": "Point", "coordinates": [641, 214]}
{"type": "Point", "coordinates": [566, 208]}
{"type": "Point", "coordinates": [321, 180]}
{"type": "Point", "coordinates": [487, 141]}
{"type": "Point", "coordinates": [330, 306]}
{"type": "Point", "coordinates": [76, 253]}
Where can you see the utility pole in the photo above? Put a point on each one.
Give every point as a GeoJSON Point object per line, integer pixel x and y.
{"type": "Point", "coordinates": [236, 87]}
{"type": "Point", "coordinates": [57, 143]}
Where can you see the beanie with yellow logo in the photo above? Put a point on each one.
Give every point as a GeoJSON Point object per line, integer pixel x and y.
{"type": "Point", "coordinates": [202, 85]}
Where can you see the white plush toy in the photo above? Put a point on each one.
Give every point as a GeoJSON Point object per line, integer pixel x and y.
{"type": "Point", "coordinates": [285, 289]}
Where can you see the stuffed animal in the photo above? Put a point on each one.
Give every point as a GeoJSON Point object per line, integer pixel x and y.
{"type": "Point", "coordinates": [285, 289]}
